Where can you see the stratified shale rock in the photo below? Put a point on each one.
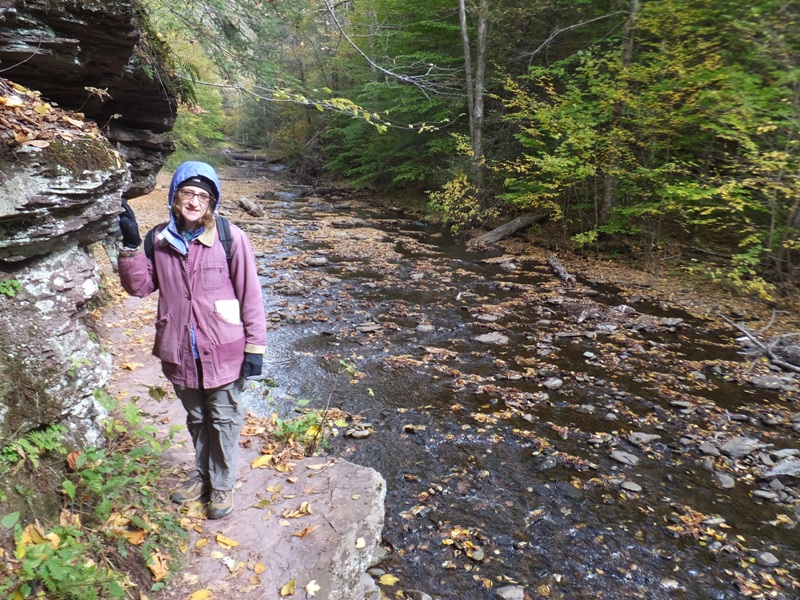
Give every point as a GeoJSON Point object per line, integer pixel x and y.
{"type": "Point", "coordinates": [97, 59]}
{"type": "Point", "coordinates": [84, 115]}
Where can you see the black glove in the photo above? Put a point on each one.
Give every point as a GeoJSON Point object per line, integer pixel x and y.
{"type": "Point", "coordinates": [129, 227]}
{"type": "Point", "coordinates": [252, 364]}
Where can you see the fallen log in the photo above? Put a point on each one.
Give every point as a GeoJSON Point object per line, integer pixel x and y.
{"type": "Point", "coordinates": [251, 207]}
{"type": "Point", "coordinates": [555, 264]}
{"type": "Point", "coordinates": [498, 233]}
{"type": "Point", "coordinates": [254, 157]}
{"type": "Point", "coordinates": [782, 351]}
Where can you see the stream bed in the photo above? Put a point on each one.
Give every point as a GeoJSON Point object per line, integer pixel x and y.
{"type": "Point", "coordinates": [536, 438]}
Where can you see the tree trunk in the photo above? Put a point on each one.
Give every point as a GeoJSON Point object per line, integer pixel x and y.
{"type": "Point", "coordinates": [475, 83]}
{"type": "Point", "coordinates": [610, 178]}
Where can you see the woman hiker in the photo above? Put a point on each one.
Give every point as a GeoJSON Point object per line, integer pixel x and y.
{"type": "Point", "coordinates": [210, 326]}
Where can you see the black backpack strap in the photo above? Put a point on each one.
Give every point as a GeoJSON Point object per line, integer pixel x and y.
{"type": "Point", "coordinates": [149, 244]}
{"type": "Point", "coordinates": [224, 232]}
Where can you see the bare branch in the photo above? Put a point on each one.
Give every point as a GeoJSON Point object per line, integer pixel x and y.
{"type": "Point", "coordinates": [419, 81]}
{"type": "Point", "coordinates": [529, 55]}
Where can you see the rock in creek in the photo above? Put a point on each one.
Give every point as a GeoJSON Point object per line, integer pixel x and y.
{"type": "Point", "coordinates": [768, 382]}
{"type": "Point", "coordinates": [493, 338]}
{"type": "Point", "coordinates": [511, 592]}
{"type": "Point", "coordinates": [787, 468]}
{"type": "Point", "coordinates": [724, 480]}
{"type": "Point", "coordinates": [741, 446]}
{"type": "Point", "coordinates": [638, 438]}
{"type": "Point", "coordinates": [625, 458]}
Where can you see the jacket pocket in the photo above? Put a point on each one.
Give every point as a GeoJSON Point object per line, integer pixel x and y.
{"type": "Point", "coordinates": [213, 275]}
{"type": "Point", "coordinates": [222, 331]}
{"type": "Point", "coordinates": [167, 343]}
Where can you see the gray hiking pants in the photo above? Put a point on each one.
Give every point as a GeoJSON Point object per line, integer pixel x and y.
{"type": "Point", "coordinates": [214, 419]}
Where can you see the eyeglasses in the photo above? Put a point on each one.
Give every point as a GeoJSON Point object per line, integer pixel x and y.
{"type": "Point", "coordinates": [185, 194]}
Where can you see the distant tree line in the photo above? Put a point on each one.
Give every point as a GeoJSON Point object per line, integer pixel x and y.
{"type": "Point", "coordinates": [652, 125]}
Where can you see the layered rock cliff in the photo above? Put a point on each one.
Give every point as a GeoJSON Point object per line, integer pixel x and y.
{"type": "Point", "coordinates": [84, 116]}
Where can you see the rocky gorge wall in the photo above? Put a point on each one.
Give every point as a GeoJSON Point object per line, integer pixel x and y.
{"type": "Point", "coordinates": [84, 116]}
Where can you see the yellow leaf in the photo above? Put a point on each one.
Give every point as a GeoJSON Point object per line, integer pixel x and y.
{"type": "Point", "coordinates": [201, 595]}
{"type": "Point", "coordinates": [226, 542]}
{"type": "Point", "coordinates": [42, 109]}
{"type": "Point", "coordinates": [134, 537]}
{"type": "Point", "coordinates": [304, 532]}
{"type": "Point", "coordinates": [360, 543]}
{"type": "Point", "coordinates": [131, 366]}
{"type": "Point", "coordinates": [201, 542]}
{"type": "Point", "coordinates": [388, 579]}
{"type": "Point", "coordinates": [262, 461]}
{"type": "Point", "coordinates": [259, 568]}
{"type": "Point", "coordinates": [288, 589]}
{"type": "Point", "coordinates": [312, 588]}
{"type": "Point", "coordinates": [158, 565]}
{"type": "Point", "coordinates": [305, 509]}
{"type": "Point", "coordinates": [317, 467]}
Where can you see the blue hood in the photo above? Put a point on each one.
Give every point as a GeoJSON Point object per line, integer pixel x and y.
{"type": "Point", "coordinates": [195, 169]}
{"type": "Point", "coordinates": [186, 171]}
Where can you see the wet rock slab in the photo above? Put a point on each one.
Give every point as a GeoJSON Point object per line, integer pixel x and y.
{"type": "Point", "coordinates": [332, 546]}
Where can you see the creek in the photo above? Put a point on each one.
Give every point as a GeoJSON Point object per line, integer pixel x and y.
{"type": "Point", "coordinates": [499, 455]}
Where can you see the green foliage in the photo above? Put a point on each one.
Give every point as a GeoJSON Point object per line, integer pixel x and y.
{"type": "Point", "coordinates": [458, 205]}
{"type": "Point", "coordinates": [10, 287]}
{"type": "Point", "coordinates": [698, 129]}
{"type": "Point", "coordinates": [32, 446]}
{"type": "Point", "coordinates": [112, 505]}
{"type": "Point", "coordinates": [302, 428]}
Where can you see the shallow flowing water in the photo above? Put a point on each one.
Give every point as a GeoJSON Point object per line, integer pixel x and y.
{"type": "Point", "coordinates": [497, 475]}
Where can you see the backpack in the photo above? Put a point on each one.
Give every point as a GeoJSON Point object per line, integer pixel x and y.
{"type": "Point", "coordinates": [223, 229]}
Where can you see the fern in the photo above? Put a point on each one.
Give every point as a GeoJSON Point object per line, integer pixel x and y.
{"type": "Point", "coordinates": [33, 446]}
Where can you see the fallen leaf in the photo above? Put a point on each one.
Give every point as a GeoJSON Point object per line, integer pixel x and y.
{"type": "Point", "coordinates": [360, 542]}
{"type": "Point", "coordinates": [72, 458]}
{"type": "Point", "coordinates": [304, 532]}
{"type": "Point", "coordinates": [231, 563]}
{"type": "Point", "coordinates": [201, 542]}
{"type": "Point", "coordinates": [288, 588]}
{"type": "Point", "coordinates": [388, 579]}
{"type": "Point", "coordinates": [134, 537]}
{"type": "Point", "coordinates": [262, 461]}
{"type": "Point", "coordinates": [131, 366]}
{"type": "Point", "coordinates": [201, 595]}
{"type": "Point", "coordinates": [259, 568]}
{"type": "Point", "coordinates": [36, 143]}
{"type": "Point", "coordinates": [317, 467]}
{"type": "Point", "coordinates": [312, 588]}
{"type": "Point", "coordinates": [158, 565]}
{"type": "Point", "coordinates": [226, 542]}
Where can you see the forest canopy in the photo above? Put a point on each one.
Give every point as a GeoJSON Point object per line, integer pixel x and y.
{"type": "Point", "coordinates": [661, 128]}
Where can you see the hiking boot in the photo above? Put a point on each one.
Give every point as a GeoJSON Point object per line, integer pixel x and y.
{"type": "Point", "coordinates": [191, 490]}
{"type": "Point", "coordinates": [221, 504]}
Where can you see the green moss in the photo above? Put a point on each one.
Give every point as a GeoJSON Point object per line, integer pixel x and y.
{"type": "Point", "coordinates": [80, 155]}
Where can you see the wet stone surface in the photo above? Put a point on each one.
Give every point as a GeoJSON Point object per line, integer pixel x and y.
{"type": "Point", "coordinates": [536, 440]}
